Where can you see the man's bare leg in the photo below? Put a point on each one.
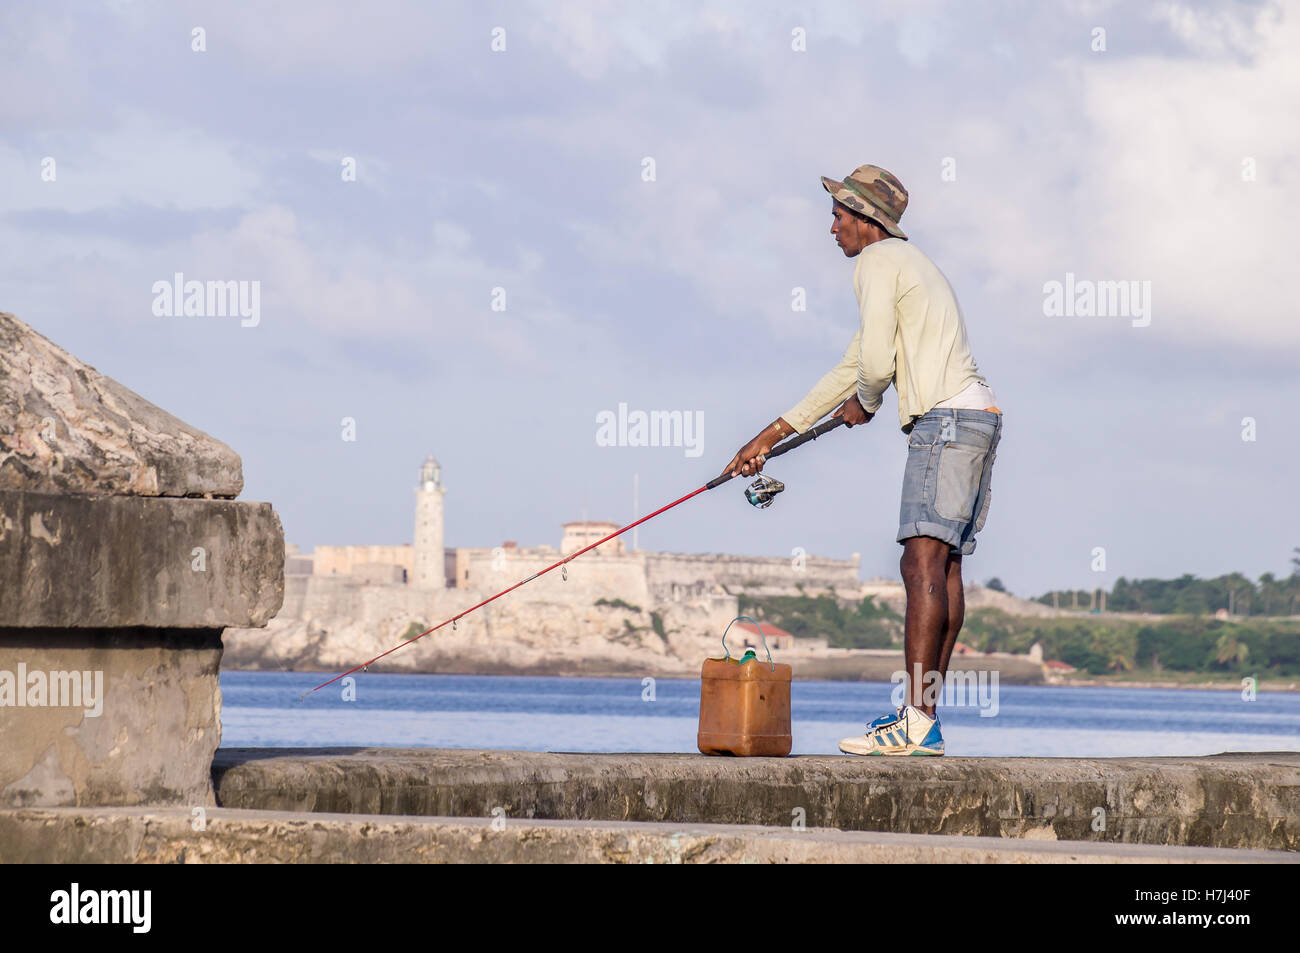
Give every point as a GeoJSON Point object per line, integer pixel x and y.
{"type": "Point", "coordinates": [925, 568]}
{"type": "Point", "coordinates": [956, 612]}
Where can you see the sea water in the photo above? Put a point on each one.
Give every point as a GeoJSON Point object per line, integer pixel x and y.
{"type": "Point", "coordinates": [262, 709]}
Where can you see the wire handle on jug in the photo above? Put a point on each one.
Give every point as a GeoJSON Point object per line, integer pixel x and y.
{"type": "Point", "coordinates": [760, 634]}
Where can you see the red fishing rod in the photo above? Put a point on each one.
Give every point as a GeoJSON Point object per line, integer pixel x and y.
{"type": "Point", "coordinates": [760, 493]}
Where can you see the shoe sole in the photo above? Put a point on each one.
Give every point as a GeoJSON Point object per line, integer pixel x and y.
{"type": "Point", "coordinates": [895, 752]}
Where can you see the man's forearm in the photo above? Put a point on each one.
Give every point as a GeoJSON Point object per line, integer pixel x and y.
{"type": "Point", "coordinates": [764, 441]}
{"type": "Point", "coordinates": [775, 432]}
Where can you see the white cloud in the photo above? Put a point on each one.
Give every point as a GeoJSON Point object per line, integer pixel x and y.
{"type": "Point", "coordinates": [1167, 141]}
{"type": "Point", "coordinates": [138, 160]}
{"type": "Point", "coordinates": [438, 292]}
{"type": "Point", "coordinates": [1212, 32]}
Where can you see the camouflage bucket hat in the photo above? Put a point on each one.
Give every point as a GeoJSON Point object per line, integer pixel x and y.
{"type": "Point", "coordinates": [874, 192]}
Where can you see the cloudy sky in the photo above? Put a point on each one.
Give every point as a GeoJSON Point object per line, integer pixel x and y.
{"type": "Point", "coordinates": [1114, 142]}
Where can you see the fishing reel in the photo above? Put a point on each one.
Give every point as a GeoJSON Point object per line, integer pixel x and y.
{"type": "Point", "coordinates": [762, 491]}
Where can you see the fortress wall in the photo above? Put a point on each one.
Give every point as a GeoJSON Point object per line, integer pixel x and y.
{"type": "Point", "coordinates": [462, 556]}
{"type": "Point", "coordinates": [429, 606]}
{"type": "Point", "coordinates": [295, 591]}
{"type": "Point", "coordinates": [342, 560]}
{"type": "Point", "coordinates": [592, 576]}
{"type": "Point", "coordinates": [321, 596]}
{"type": "Point", "coordinates": [348, 597]}
{"type": "Point", "coordinates": [380, 573]}
{"type": "Point", "coordinates": [641, 579]}
{"type": "Point", "coordinates": [673, 576]}
{"type": "Point", "coordinates": [337, 597]}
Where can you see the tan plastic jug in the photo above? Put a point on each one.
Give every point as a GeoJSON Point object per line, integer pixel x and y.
{"type": "Point", "coordinates": [745, 704]}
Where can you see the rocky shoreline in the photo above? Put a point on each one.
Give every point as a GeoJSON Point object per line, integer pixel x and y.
{"type": "Point", "coordinates": [847, 668]}
{"type": "Point", "coordinates": [850, 667]}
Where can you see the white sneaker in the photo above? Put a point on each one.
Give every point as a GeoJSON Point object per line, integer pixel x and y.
{"type": "Point", "coordinates": [909, 731]}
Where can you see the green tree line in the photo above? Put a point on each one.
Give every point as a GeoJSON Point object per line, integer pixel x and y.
{"type": "Point", "coordinates": [1100, 645]}
{"type": "Point", "coordinates": [864, 626]}
{"type": "Point", "coordinates": [1096, 644]}
{"type": "Point", "coordinates": [1269, 595]}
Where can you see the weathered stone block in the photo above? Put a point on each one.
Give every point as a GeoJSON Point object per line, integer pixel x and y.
{"type": "Point", "coordinates": [78, 562]}
{"type": "Point", "coordinates": [108, 716]}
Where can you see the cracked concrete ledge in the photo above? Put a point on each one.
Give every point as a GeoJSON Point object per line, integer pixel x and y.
{"type": "Point", "coordinates": [168, 835]}
{"type": "Point", "coordinates": [1230, 800]}
{"type": "Point", "coordinates": [151, 742]}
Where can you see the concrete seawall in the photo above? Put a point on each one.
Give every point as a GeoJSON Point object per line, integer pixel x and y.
{"type": "Point", "coordinates": [1228, 800]}
{"type": "Point", "coordinates": [168, 835]}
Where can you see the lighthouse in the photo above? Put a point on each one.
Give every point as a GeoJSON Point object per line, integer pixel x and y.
{"type": "Point", "coordinates": [430, 572]}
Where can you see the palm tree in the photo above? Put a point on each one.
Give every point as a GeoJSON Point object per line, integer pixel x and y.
{"type": "Point", "coordinates": [1230, 649]}
{"type": "Point", "coordinates": [1268, 589]}
{"type": "Point", "coordinates": [1291, 585]}
{"type": "Point", "coordinates": [1235, 582]}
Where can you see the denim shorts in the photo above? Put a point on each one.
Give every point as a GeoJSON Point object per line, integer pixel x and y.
{"type": "Point", "coordinates": [946, 484]}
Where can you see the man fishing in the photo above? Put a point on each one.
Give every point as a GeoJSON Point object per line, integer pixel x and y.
{"type": "Point", "coordinates": [910, 334]}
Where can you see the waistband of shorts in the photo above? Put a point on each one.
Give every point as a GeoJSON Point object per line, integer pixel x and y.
{"type": "Point", "coordinates": [955, 414]}
{"type": "Point", "coordinates": [958, 413]}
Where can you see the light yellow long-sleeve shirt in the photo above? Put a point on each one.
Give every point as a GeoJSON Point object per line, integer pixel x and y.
{"type": "Point", "coordinates": [910, 334]}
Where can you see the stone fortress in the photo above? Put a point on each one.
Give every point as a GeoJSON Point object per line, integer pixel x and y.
{"type": "Point", "coordinates": [639, 575]}
{"type": "Point", "coordinates": [616, 603]}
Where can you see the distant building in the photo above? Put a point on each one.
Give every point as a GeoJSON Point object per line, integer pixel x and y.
{"type": "Point", "coordinates": [609, 570]}
{"type": "Point", "coordinates": [344, 560]}
{"type": "Point", "coordinates": [430, 565]}
{"type": "Point", "coordinates": [295, 563]}
{"type": "Point", "coordinates": [777, 637]}
{"type": "Point", "coordinates": [585, 532]}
